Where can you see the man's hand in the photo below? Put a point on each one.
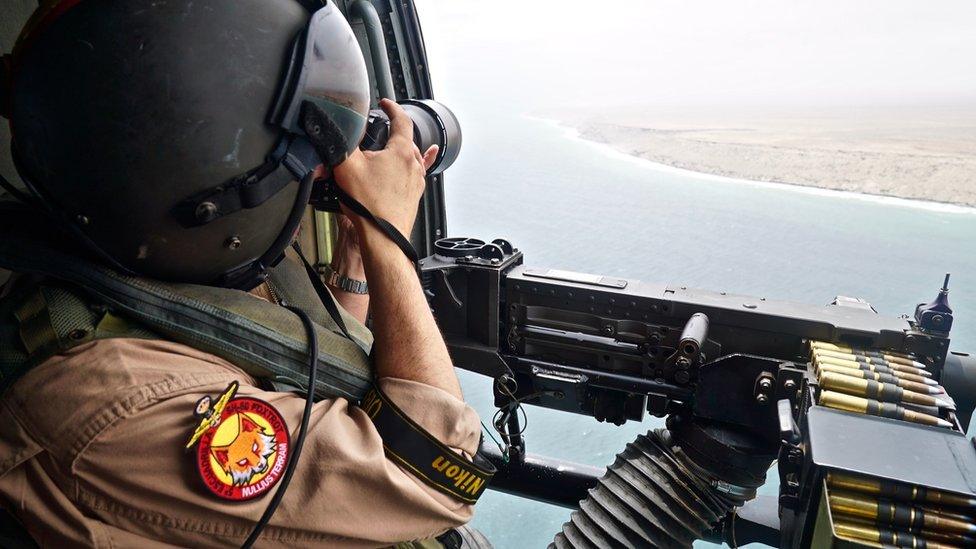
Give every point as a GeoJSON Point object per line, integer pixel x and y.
{"type": "Point", "coordinates": [390, 182]}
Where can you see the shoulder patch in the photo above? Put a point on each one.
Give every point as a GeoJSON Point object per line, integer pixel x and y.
{"type": "Point", "coordinates": [242, 445]}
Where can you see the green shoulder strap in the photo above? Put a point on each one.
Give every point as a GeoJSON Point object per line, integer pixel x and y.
{"type": "Point", "coordinates": [264, 339]}
{"type": "Point", "coordinates": [41, 321]}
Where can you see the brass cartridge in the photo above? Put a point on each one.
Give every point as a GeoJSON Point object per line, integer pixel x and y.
{"type": "Point", "coordinates": [927, 522]}
{"type": "Point", "coordinates": [924, 388]}
{"type": "Point", "coordinates": [885, 392]}
{"type": "Point", "coordinates": [873, 368]}
{"type": "Point", "coordinates": [890, 366]}
{"type": "Point", "coordinates": [896, 490]}
{"type": "Point", "coordinates": [889, 356]}
{"type": "Point", "coordinates": [868, 532]}
{"type": "Point", "coordinates": [850, 403]}
{"type": "Point", "coordinates": [865, 359]}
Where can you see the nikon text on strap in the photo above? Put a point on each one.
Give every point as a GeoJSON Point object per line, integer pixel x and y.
{"type": "Point", "coordinates": [427, 458]}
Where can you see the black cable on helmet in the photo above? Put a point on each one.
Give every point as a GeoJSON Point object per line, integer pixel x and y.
{"type": "Point", "coordinates": [313, 362]}
{"type": "Point", "coordinates": [15, 192]}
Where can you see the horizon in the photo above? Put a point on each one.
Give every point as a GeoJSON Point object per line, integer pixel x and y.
{"type": "Point", "coordinates": [666, 53]}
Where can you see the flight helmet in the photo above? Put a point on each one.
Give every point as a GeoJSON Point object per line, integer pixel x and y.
{"type": "Point", "coordinates": [171, 138]}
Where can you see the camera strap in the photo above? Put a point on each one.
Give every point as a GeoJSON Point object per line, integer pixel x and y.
{"type": "Point", "coordinates": [430, 460]}
{"type": "Point", "coordinates": [388, 229]}
{"type": "Point", "coordinates": [405, 442]}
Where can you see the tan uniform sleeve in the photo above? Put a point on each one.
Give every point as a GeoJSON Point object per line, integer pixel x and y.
{"type": "Point", "coordinates": [124, 413]}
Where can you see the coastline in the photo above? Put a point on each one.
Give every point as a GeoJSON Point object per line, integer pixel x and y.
{"type": "Point", "coordinates": [572, 131]}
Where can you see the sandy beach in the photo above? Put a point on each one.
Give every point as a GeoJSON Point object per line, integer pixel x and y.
{"type": "Point", "coordinates": [915, 153]}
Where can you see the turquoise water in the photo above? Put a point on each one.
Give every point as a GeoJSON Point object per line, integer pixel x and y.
{"type": "Point", "coordinates": [571, 204]}
{"type": "Point", "coordinates": [574, 205]}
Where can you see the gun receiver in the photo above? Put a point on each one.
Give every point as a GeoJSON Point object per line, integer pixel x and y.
{"type": "Point", "coordinates": [736, 376]}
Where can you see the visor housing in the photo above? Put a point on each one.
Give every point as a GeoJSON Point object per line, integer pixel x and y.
{"type": "Point", "coordinates": [326, 68]}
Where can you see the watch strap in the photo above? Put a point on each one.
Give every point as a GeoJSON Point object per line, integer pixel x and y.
{"type": "Point", "coordinates": [343, 282]}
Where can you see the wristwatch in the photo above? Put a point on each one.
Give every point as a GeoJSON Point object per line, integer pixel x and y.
{"type": "Point", "coordinates": [343, 282]}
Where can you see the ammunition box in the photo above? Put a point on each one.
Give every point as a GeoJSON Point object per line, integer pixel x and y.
{"type": "Point", "coordinates": [848, 527]}
{"type": "Point", "coordinates": [824, 533]}
{"type": "Point", "coordinates": [851, 457]}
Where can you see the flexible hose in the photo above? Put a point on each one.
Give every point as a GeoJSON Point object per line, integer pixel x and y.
{"type": "Point", "coordinates": [648, 498]}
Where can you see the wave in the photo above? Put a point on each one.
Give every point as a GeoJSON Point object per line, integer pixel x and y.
{"type": "Point", "coordinates": [608, 150]}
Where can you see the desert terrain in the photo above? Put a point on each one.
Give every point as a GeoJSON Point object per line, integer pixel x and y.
{"type": "Point", "coordinates": [925, 153]}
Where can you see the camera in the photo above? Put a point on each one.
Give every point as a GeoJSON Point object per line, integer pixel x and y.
{"type": "Point", "coordinates": [433, 124]}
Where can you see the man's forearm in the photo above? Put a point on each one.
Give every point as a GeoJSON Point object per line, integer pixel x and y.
{"type": "Point", "coordinates": [408, 343]}
{"type": "Point", "coordinates": [351, 266]}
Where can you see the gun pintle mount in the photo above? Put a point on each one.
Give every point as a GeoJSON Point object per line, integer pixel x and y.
{"type": "Point", "coordinates": [830, 391]}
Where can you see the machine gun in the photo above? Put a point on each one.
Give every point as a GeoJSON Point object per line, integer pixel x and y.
{"type": "Point", "coordinates": [741, 382]}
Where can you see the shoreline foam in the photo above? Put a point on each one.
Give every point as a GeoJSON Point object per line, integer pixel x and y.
{"type": "Point", "coordinates": [607, 149]}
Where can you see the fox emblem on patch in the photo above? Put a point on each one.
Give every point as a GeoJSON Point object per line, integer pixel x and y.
{"type": "Point", "coordinates": [242, 445]}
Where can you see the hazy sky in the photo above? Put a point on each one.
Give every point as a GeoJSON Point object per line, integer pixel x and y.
{"type": "Point", "coordinates": [717, 51]}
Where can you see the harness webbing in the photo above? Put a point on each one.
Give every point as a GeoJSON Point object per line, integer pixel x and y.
{"type": "Point", "coordinates": [266, 340]}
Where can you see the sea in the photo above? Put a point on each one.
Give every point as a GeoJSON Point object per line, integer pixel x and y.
{"type": "Point", "coordinates": [514, 72]}
{"type": "Point", "coordinates": [568, 203]}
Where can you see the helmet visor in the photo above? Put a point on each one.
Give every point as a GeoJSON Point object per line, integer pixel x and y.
{"type": "Point", "coordinates": [328, 69]}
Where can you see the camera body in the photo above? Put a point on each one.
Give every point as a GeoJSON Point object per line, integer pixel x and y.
{"type": "Point", "coordinates": [433, 124]}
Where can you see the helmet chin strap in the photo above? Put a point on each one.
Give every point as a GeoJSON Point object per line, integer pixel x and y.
{"type": "Point", "coordinates": [299, 157]}
{"type": "Point", "coordinates": [255, 272]}
{"type": "Point", "coordinates": [13, 191]}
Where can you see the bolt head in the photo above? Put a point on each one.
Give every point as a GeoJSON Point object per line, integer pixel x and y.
{"type": "Point", "coordinates": [234, 243]}
{"type": "Point", "coordinates": [765, 383]}
{"type": "Point", "coordinates": [789, 385]}
{"type": "Point", "coordinates": [205, 211]}
{"type": "Point", "coordinates": [761, 398]}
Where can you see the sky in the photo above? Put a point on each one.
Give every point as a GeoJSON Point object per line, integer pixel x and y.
{"type": "Point", "coordinates": [706, 52]}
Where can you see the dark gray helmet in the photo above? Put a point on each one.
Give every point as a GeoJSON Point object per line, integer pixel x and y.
{"type": "Point", "coordinates": [158, 132]}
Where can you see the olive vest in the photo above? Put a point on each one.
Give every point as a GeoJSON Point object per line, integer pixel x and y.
{"type": "Point", "coordinates": [67, 300]}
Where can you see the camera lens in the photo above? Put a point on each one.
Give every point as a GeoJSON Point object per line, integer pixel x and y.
{"type": "Point", "coordinates": [433, 124]}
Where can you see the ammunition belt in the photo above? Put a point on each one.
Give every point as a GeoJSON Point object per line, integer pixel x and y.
{"type": "Point", "coordinates": [878, 383]}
